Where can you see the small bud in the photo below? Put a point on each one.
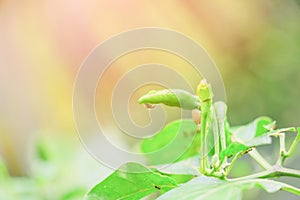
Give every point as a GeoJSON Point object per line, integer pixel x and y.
{"type": "Point", "coordinates": [204, 91]}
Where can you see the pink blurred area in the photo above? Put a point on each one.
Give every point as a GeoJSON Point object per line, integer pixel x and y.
{"type": "Point", "coordinates": [43, 43]}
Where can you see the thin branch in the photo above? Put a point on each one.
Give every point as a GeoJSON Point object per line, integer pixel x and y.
{"type": "Point", "coordinates": [235, 158]}
{"type": "Point", "coordinates": [275, 171]}
{"type": "Point", "coordinates": [259, 159]}
{"type": "Point", "coordinates": [282, 150]}
{"type": "Point", "coordinates": [294, 145]}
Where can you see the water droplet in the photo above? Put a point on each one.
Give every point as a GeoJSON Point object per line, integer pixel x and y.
{"type": "Point", "coordinates": [150, 106]}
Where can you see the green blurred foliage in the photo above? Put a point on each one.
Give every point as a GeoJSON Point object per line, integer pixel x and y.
{"type": "Point", "coordinates": [58, 170]}
{"type": "Point", "coordinates": [267, 80]}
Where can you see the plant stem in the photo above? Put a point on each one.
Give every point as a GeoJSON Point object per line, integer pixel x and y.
{"type": "Point", "coordinates": [283, 186]}
{"type": "Point", "coordinates": [282, 142]}
{"type": "Point", "coordinates": [294, 145]}
{"type": "Point", "coordinates": [283, 154]}
{"type": "Point", "coordinates": [274, 171]}
{"type": "Point", "coordinates": [235, 158]}
{"type": "Point", "coordinates": [202, 142]}
{"type": "Point", "coordinates": [205, 122]}
{"type": "Point", "coordinates": [215, 127]}
{"type": "Point", "coordinates": [205, 95]}
{"type": "Point", "coordinates": [222, 135]}
{"type": "Point", "coordinates": [259, 159]}
{"type": "Point", "coordinates": [223, 138]}
{"type": "Point", "coordinates": [282, 150]}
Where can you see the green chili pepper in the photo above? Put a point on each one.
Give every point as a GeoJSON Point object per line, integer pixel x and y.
{"type": "Point", "coordinates": [174, 97]}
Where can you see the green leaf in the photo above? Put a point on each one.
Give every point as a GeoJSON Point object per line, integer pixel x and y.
{"type": "Point", "coordinates": [73, 194]}
{"type": "Point", "coordinates": [281, 130]}
{"type": "Point", "coordinates": [178, 140]}
{"type": "Point", "coordinates": [131, 181]}
{"type": "Point", "coordinates": [209, 188]}
{"type": "Point", "coordinates": [233, 149]}
{"type": "Point", "coordinates": [249, 133]}
{"type": "Point", "coordinates": [178, 178]}
{"type": "Point", "coordinates": [240, 139]}
{"type": "Point", "coordinates": [188, 166]}
{"type": "Point", "coordinates": [228, 133]}
{"type": "Point", "coordinates": [175, 97]}
{"type": "Point", "coordinates": [181, 171]}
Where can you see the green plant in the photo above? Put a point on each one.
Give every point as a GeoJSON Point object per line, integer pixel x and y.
{"type": "Point", "coordinates": [59, 169]}
{"type": "Point", "coordinates": [209, 148]}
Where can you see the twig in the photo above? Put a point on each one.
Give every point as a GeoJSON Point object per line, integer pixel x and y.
{"type": "Point", "coordinates": [274, 171]}
{"type": "Point", "coordinates": [294, 145]}
{"type": "Point", "coordinates": [259, 159]}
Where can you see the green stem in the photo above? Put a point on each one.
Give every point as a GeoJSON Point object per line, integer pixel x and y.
{"type": "Point", "coordinates": [235, 158]}
{"type": "Point", "coordinates": [205, 95]}
{"type": "Point", "coordinates": [283, 186]}
{"type": "Point", "coordinates": [274, 172]}
{"type": "Point", "coordinates": [291, 189]}
{"type": "Point", "coordinates": [216, 161]}
{"type": "Point", "coordinates": [259, 159]}
{"type": "Point", "coordinates": [202, 143]}
{"type": "Point", "coordinates": [282, 150]}
{"type": "Point", "coordinates": [294, 145]}
{"type": "Point", "coordinates": [205, 122]}
{"type": "Point", "coordinates": [222, 139]}
{"type": "Point", "coordinates": [283, 154]}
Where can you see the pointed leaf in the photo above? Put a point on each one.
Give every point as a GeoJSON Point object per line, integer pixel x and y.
{"type": "Point", "coordinates": [188, 166]}
{"type": "Point", "coordinates": [178, 178]}
{"type": "Point", "coordinates": [209, 188]}
{"type": "Point", "coordinates": [178, 140]}
{"type": "Point", "coordinates": [233, 149]}
{"type": "Point", "coordinates": [131, 181]}
{"type": "Point", "coordinates": [246, 133]}
{"type": "Point", "coordinates": [266, 137]}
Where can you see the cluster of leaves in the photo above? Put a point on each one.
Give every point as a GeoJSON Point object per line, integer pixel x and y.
{"type": "Point", "coordinates": [201, 155]}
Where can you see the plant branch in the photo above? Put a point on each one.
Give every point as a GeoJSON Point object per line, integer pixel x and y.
{"type": "Point", "coordinates": [273, 172]}
{"type": "Point", "coordinates": [294, 145]}
{"type": "Point", "coordinates": [222, 135]}
{"type": "Point", "coordinates": [259, 159]}
{"type": "Point", "coordinates": [205, 95]}
{"type": "Point", "coordinates": [283, 154]}
{"type": "Point", "coordinates": [235, 158]}
{"type": "Point", "coordinates": [283, 186]}
{"type": "Point", "coordinates": [203, 151]}
{"type": "Point", "coordinates": [282, 149]}
{"type": "Point", "coordinates": [214, 124]}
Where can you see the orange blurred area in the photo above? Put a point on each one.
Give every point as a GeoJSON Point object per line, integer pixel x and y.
{"type": "Point", "coordinates": [43, 44]}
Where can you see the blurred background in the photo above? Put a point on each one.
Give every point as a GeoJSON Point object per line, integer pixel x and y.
{"type": "Point", "coordinates": [255, 44]}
